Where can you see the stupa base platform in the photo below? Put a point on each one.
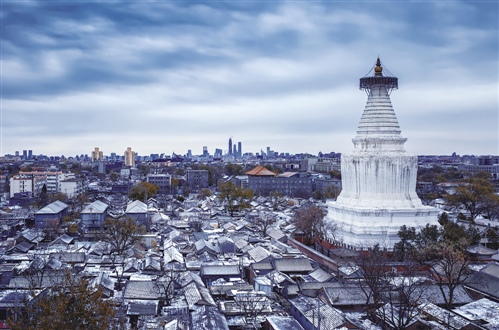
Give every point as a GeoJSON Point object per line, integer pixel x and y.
{"type": "Point", "coordinates": [361, 228]}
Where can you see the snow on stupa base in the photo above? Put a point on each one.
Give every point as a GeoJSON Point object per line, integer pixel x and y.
{"type": "Point", "coordinates": [362, 228]}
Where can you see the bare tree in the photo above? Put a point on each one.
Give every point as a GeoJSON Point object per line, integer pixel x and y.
{"type": "Point", "coordinates": [373, 283]}
{"type": "Point", "coordinates": [265, 220]}
{"type": "Point", "coordinates": [402, 298]}
{"type": "Point", "coordinates": [36, 272]}
{"type": "Point", "coordinates": [52, 228]}
{"type": "Point", "coordinates": [165, 286]}
{"type": "Point", "coordinates": [276, 199]}
{"type": "Point", "coordinates": [252, 304]}
{"type": "Point", "coordinates": [310, 220]}
{"type": "Point", "coordinates": [391, 295]}
{"type": "Point", "coordinates": [450, 270]}
{"type": "Point", "coordinates": [121, 235]}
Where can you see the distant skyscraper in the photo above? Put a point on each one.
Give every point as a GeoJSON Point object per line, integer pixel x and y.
{"type": "Point", "coordinates": [97, 154]}
{"type": "Point", "coordinates": [129, 157]}
{"type": "Point", "coordinates": [30, 154]}
{"type": "Point", "coordinates": [230, 146]}
{"type": "Point", "coordinates": [239, 149]}
{"type": "Point", "coordinates": [234, 150]}
{"type": "Point", "coordinates": [25, 154]}
{"type": "Point", "coordinates": [218, 153]}
{"type": "Point", "coordinates": [205, 151]}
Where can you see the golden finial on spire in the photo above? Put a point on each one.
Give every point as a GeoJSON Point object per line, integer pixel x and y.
{"type": "Point", "coordinates": [378, 70]}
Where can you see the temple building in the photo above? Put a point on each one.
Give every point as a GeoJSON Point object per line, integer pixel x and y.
{"type": "Point", "coordinates": [378, 176]}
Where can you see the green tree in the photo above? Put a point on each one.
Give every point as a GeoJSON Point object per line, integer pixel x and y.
{"type": "Point", "coordinates": [331, 191]}
{"type": "Point", "coordinates": [203, 193]}
{"type": "Point", "coordinates": [490, 207]}
{"type": "Point", "coordinates": [144, 170]}
{"type": "Point", "coordinates": [142, 191]}
{"type": "Point", "coordinates": [43, 198]}
{"type": "Point", "coordinates": [179, 171]}
{"type": "Point", "coordinates": [405, 248]}
{"type": "Point", "coordinates": [472, 195]}
{"type": "Point", "coordinates": [317, 194]}
{"type": "Point", "coordinates": [214, 173]}
{"type": "Point", "coordinates": [58, 197]}
{"type": "Point", "coordinates": [335, 174]}
{"type": "Point", "coordinates": [175, 184]}
{"type": "Point", "coordinates": [72, 304]}
{"type": "Point", "coordinates": [76, 168]}
{"type": "Point", "coordinates": [457, 234]}
{"type": "Point", "coordinates": [235, 198]}
{"type": "Point", "coordinates": [113, 176]}
{"type": "Point", "coordinates": [233, 169]}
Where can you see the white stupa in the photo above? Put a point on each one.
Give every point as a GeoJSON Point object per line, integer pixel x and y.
{"type": "Point", "coordinates": [378, 176]}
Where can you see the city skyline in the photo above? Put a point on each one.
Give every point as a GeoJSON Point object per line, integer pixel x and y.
{"type": "Point", "coordinates": [167, 77]}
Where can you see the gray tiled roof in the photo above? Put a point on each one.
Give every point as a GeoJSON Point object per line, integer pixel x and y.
{"type": "Point", "coordinates": [136, 207]}
{"type": "Point", "coordinates": [141, 290]}
{"type": "Point", "coordinates": [95, 207]}
{"type": "Point", "coordinates": [198, 295]}
{"type": "Point", "coordinates": [321, 275]}
{"type": "Point", "coordinates": [283, 323]}
{"type": "Point", "coordinates": [258, 253]}
{"type": "Point", "coordinates": [208, 317]}
{"type": "Point", "coordinates": [52, 208]}
{"type": "Point", "coordinates": [143, 308]}
{"type": "Point", "coordinates": [220, 270]}
{"type": "Point", "coordinates": [293, 265]}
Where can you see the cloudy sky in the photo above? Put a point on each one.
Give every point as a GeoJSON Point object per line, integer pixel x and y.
{"type": "Point", "coordinates": [165, 77]}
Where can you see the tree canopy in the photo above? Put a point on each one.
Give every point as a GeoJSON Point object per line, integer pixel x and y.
{"type": "Point", "coordinates": [476, 195]}
{"type": "Point", "coordinates": [310, 220]}
{"type": "Point", "coordinates": [234, 197]}
{"type": "Point", "coordinates": [142, 191]}
{"type": "Point", "coordinates": [121, 234]}
{"type": "Point", "coordinates": [72, 304]}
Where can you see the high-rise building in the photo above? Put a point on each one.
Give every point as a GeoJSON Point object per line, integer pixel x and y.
{"type": "Point", "coordinates": [97, 155]}
{"type": "Point", "coordinates": [230, 146]}
{"type": "Point", "coordinates": [234, 150]}
{"type": "Point", "coordinates": [25, 154]}
{"type": "Point", "coordinates": [129, 157]}
{"type": "Point", "coordinates": [30, 154]}
{"type": "Point", "coordinates": [378, 176]}
{"type": "Point", "coordinates": [239, 149]}
{"type": "Point", "coordinates": [205, 151]}
{"type": "Point", "coordinates": [218, 153]}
